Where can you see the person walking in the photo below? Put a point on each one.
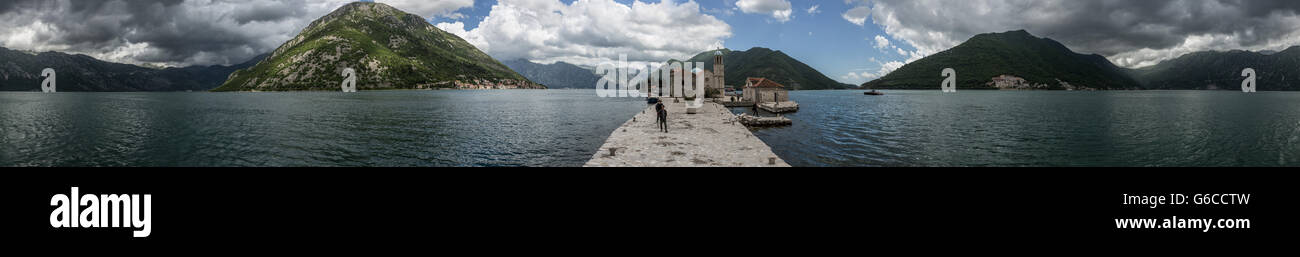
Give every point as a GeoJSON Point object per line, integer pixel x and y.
{"type": "Point", "coordinates": [659, 106]}
{"type": "Point", "coordinates": [662, 114]}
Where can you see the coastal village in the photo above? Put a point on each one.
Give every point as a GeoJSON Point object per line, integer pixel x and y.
{"type": "Point", "coordinates": [486, 84]}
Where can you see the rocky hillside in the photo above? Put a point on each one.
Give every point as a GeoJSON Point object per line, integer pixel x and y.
{"type": "Point", "coordinates": [388, 49]}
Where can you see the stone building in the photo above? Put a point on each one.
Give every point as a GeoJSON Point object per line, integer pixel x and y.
{"type": "Point", "coordinates": [761, 90]}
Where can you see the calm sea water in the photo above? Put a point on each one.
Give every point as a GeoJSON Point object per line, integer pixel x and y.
{"type": "Point", "coordinates": [369, 128]}
{"type": "Point", "coordinates": [565, 127]}
{"type": "Point", "coordinates": [1040, 128]}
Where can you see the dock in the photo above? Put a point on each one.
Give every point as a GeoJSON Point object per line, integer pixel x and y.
{"type": "Point", "coordinates": [755, 121]}
{"type": "Point", "coordinates": [779, 107]}
{"type": "Point", "coordinates": [727, 103]}
{"type": "Point", "coordinates": [713, 137]}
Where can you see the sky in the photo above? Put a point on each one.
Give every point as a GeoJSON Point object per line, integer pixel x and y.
{"type": "Point", "coordinates": [852, 41]}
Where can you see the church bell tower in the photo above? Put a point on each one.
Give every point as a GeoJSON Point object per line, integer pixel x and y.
{"type": "Point", "coordinates": [718, 68]}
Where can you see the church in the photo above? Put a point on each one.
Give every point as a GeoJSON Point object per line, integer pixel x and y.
{"type": "Point", "coordinates": [714, 80]}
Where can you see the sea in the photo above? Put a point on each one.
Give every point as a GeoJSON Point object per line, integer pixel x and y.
{"type": "Point", "coordinates": [566, 127]}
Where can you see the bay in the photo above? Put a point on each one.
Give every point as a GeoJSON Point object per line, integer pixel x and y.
{"type": "Point", "coordinates": [368, 128]}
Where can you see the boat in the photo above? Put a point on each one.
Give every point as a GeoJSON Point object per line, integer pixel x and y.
{"type": "Point", "coordinates": [873, 92]}
{"type": "Point", "coordinates": [652, 100]}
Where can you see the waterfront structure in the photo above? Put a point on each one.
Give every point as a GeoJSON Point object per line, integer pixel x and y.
{"type": "Point", "coordinates": [762, 90]}
{"type": "Point", "coordinates": [714, 80]}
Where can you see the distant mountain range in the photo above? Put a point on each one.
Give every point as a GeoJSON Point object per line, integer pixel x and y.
{"type": "Point", "coordinates": [739, 65]}
{"type": "Point", "coordinates": [766, 63]}
{"type": "Point", "coordinates": [20, 71]}
{"type": "Point", "coordinates": [386, 47]}
{"type": "Point", "coordinates": [555, 75]}
{"type": "Point", "coordinates": [1030, 62]}
{"type": "Point", "coordinates": [1274, 71]}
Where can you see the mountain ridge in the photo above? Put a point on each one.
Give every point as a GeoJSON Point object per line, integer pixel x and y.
{"type": "Point", "coordinates": [1044, 63]}
{"type": "Point", "coordinates": [555, 75]}
{"type": "Point", "coordinates": [1221, 70]}
{"type": "Point", "coordinates": [386, 47]}
{"type": "Point", "coordinates": [1033, 63]}
{"type": "Point", "coordinates": [20, 71]}
{"type": "Point", "coordinates": [768, 63]}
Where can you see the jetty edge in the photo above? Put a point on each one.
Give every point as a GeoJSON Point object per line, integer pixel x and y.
{"type": "Point", "coordinates": [712, 137]}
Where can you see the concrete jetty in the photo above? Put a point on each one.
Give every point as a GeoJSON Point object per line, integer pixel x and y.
{"type": "Point", "coordinates": [712, 137]}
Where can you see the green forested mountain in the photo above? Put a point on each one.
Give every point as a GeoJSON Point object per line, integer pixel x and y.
{"type": "Point", "coordinates": [1042, 63]}
{"type": "Point", "coordinates": [1274, 71]}
{"type": "Point", "coordinates": [388, 49]}
{"type": "Point", "coordinates": [766, 63]}
{"type": "Point", "coordinates": [20, 71]}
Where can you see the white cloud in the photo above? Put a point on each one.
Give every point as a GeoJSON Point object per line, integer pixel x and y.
{"type": "Point", "coordinates": [813, 9]}
{"type": "Point", "coordinates": [881, 42]}
{"type": "Point", "coordinates": [888, 67]}
{"type": "Point", "coordinates": [458, 29]}
{"type": "Point", "coordinates": [191, 32]}
{"type": "Point", "coordinates": [431, 8]}
{"type": "Point", "coordinates": [864, 76]}
{"type": "Point", "coordinates": [593, 31]}
{"type": "Point", "coordinates": [779, 9]}
{"type": "Point", "coordinates": [857, 15]}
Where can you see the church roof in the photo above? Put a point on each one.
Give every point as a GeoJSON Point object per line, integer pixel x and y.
{"type": "Point", "coordinates": [763, 83]}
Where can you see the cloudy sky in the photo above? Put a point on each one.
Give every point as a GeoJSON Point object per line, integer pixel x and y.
{"type": "Point", "coordinates": [849, 40]}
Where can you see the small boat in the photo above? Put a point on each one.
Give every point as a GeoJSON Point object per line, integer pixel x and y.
{"type": "Point", "coordinates": [873, 92]}
{"type": "Point", "coordinates": [652, 100]}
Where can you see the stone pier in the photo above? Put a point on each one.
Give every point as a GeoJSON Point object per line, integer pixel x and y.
{"type": "Point", "coordinates": [710, 138]}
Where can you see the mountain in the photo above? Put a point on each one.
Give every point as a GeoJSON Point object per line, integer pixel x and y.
{"type": "Point", "coordinates": [388, 49]}
{"type": "Point", "coordinates": [1041, 63]}
{"type": "Point", "coordinates": [555, 75]}
{"type": "Point", "coordinates": [20, 71]}
{"type": "Point", "coordinates": [1222, 70]}
{"type": "Point", "coordinates": [766, 63]}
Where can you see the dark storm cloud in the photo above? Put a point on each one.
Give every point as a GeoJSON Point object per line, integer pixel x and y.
{"type": "Point", "coordinates": [1130, 32]}
{"type": "Point", "coordinates": [1113, 27]}
{"type": "Point", "coordinates": [169, 32]}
